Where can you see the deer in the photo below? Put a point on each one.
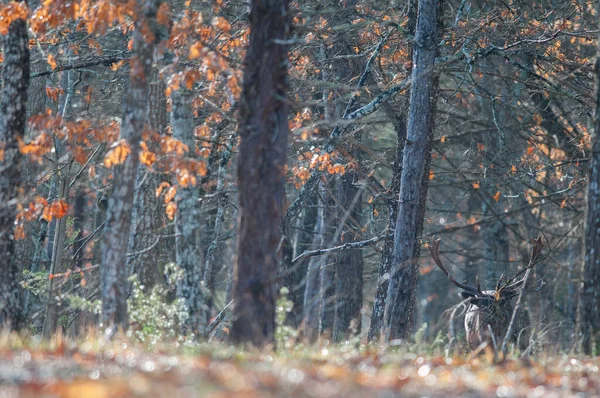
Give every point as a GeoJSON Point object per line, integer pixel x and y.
{"type": "Point", "coordinates": [489, 312]}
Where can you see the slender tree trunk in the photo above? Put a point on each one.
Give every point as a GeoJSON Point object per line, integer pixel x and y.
{"type": "Point", "coordinates": [188, 222]}
{"type": "Point", "coordinates": [118, 216]}
{"type": "Point", "coordinates": [590, 294]}
{"type": "Point", "coordinates": [263, 129]}
{"type": "Point", "coordinates": [208, 277]}
{"type": "Point", "coordinates": [58, 226]}
{"type": "Point", "coordinates": [13, 117]}
{"type": "Point", "coordinates": [313, 300]}
{"type": "Point", "coordinates": [349, 263]}
{"type": "Point", "coordinates": [403, 276]}
{"type": "Point", "coordinates": [398, 118]}
{"type": "Point", "coordinates": [386, 259]}
{"type": "Point", "coordinates": [303, 241]}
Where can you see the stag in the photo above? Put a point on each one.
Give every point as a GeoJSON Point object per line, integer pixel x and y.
{"type": "Point", "coordinates": [489, 312]}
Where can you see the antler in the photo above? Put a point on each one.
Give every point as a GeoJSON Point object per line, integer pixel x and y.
{"type": "Point", "coordinates": [538, 244]}
{"type": "Point", "coordinates": [434, 250]}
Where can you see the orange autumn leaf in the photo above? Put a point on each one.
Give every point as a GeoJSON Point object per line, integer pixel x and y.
{"type": "Point", "coordinates": [19, 232]}
{"type": "Point", "coordinates": [117, 154]}
{"type": "Point", "coordinates": [497, 196]}
{"type": "Point", "coordinates": [513, 169]}
{"type": "Point", "coordinates": [170, 210]}
{"type": "Point", "coordinates": [79, 155]}
{"type": "Point", "coordinates": [476, 185]}
{"type": "Point", "coordinates": [148, 158]}
{"type": "Point", "coordinates": [163, 16]}
{"type": "Point", "coordinates": [431, 175]}
{"type": "Point", "coordinates": [480, 147]}
{"type": "Point", "coordinates": [11, 12]}
{"type": "Point", "coordinates": [51, 61]}
{"type": "Point", "coordinates": [221, 23]}
{"type": "Point", "coordinates": [170, 194]}
{"type": "Point", "coordinates": [195, 50]}
{"type": "Point", "coordinates": [160, 188]}
{"type": "Point", "coordinates": [57, 209]}
{"type": "Point", "coordinates": [530, 150]}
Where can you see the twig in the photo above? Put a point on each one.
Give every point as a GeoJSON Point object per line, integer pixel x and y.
{"type": "Point", "coordinates": [345, 246]}
{"type": "Point", "coordinates": [537, 248]}
{"type": "Point", "coordinates": [105, 62]}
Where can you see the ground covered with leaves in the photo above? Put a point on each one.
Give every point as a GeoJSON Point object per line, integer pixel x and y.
{"type": "Point", "coordinates": [97, 368]}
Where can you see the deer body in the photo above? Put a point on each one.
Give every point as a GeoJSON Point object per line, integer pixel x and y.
{"type": "Point", "coordinates": [489, 312]}
{"type": "Point", "coordinates": [487, 321]}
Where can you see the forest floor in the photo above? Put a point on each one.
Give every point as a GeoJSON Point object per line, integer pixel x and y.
{"type": "Point", "coordinates": [94, 368]}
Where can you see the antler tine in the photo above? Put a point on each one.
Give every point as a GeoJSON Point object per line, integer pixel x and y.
{"type": "Point", "coordinates": [538, 244]}
{"type": "Point", "coordinates": [478, 285]}
{"type": "Point", "coordinates": [434, 250]}
{"type": "Point", "coordinates": [499, 282]}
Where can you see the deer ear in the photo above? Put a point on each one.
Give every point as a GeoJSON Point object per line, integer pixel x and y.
{"type": "Point", "coordinates": [466, 295]}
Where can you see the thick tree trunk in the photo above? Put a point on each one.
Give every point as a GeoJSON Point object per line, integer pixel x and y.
{"type": "Point", "coordinates": [13, 117]}
{"type": "Point", "coordinates": [188, 223]}
{"type": "Point", "coordinates": [118, 216]}
{"type": "Point", "coordinates": [403, 276]}
{"type": "Point", "coordinates": [590, 295]}
{"type": "Point", "coordinates": [148, 213]}
{"type": "Point", "coordinates": [263, 128]}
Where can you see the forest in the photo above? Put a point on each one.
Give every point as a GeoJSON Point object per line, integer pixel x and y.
{"type": "Point", "coordinates": [299, 198]}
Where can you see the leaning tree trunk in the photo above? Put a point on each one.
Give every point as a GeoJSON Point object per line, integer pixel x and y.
{"type": "Point", "coordinates": [113, 273]}
{"type": "Point", "coordinates": [263, 128]}
{"type": "Point", "coordinates": [188, 222]}
{"type": "Point", "coordinates": [386, 259]}
{"type": "Point", "coordinates": [590, 295]}
{"type": "Point", "coordinates": [13, 117]}
{"type": "Point", "coordinates": [398, 118]}
{"type": "Point", "coordinates": [403, 276]}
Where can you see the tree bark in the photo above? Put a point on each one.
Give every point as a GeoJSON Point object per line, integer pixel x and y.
{"type": "Point", "coordinates": [113, 272]}
{"type": "Point", "coordinates": [313, 294]}
{"type": "Point", "coordinates": [148, 212]}
{"type": "Point", "coordinates": [13, 117]}
{"type": "Point", "coordinates": [349, 263]}
{"type": "Point", "coordinates": [403, 276]}
{"type": "Point", "coordinates": [263, 128]}
{"type": "Point", "coordinates": [386, 260]}
{"type": "Point", "coordinates": [303, 242]}
{"type": "Point", "coordinates": [590, 294]}
{"type": "Point", "coordinates": [188, 222]}
{"type": "Point", "coordinates": [398, 117]}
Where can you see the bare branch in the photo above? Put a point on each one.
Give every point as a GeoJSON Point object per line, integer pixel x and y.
{"type": "Point", "coordinates": [345, 246]}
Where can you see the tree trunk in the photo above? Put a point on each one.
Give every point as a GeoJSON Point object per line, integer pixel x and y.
{"type": "Point", "coordinates": [188, 223]}
{"type": "Point", "coordinates": [590, 295]}
{"type": "Point", "coordinates": [349, 263]}
{"type": "Point", "coordinates": [386, 259]}
{"type": "Point", "coordinates": [13, 117]}
{"type": "Point", "coordinates": [398, 117]}
{"type": "Point", "coordinates": [263, 128]}
{"type": "Point", "coordinates": [303, 242]}
{"type": "Point", "coordinates": [113, 272]}
{"type": "Point", "coordinates": [403, 277]}
{"type": "Point", "coordinates": [313, 299]}
{"type": "Point", "coordinates": [148, 212]}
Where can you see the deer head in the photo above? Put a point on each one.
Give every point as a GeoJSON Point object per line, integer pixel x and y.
{"type": "Point", "coordinates": [488, 312]}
